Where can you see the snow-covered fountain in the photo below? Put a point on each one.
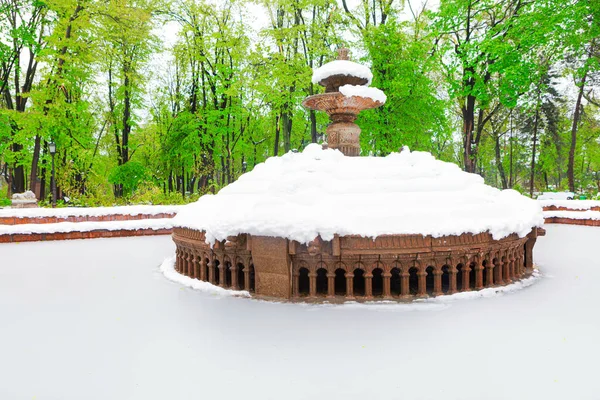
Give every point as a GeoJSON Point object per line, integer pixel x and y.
{"type": "Point", "coordinates": [325, 224]}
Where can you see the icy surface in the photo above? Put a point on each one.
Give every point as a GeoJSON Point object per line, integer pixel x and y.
{"type": "Point", "coordinates": [571, 204]}
{"type": "Point", "coordinates": [302, 195]}
{"type": "Point", "coordinates": [87, 211]}
{"type": "Point", "coordinates": [62, 227]}
{"type": "Point", "coordinates": [595, 215]}
{"type": "Point", "coordinates": [342, 67]}
{"type": "Point", "coordinates": [363, 91]}
{"type": "Point", "coordinates": [96, 319]}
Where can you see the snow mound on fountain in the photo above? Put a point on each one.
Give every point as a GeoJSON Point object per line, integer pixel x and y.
{"type": "Point", "coordinates": [322, 192]}
{"type": "Point", "coordinates": [342, 67]}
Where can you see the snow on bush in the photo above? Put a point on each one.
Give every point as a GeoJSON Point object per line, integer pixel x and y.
{"type": "Point", "coordinates": [322, 192]}
{"type": "Point", "coordinates": [342, 67]}
{"type": "Point", "coordinates": [363, 91]}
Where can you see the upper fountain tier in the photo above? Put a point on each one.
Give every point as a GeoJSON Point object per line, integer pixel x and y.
{"type": "Point", "coordinates": [346, 94]}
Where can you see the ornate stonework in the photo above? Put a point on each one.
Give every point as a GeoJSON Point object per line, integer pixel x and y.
{"type": "Point", "coordinates": [395, 267]}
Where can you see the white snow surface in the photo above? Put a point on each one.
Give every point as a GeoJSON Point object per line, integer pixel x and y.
{"type": "Point", "coordinates": [96, 319]}
{"type": "Point", "coordinates": [595, 215]}
{"type": "Point", "coordinates": [363, 91]}
{"type": "Point", "coordinates": [322, 192]}
{"type": "Point", "coordinates": [88, 211]}
{"type": "Point", "coordinates": [87, 226]}
{"type": "Point", "coordinates": [556, 196]}
{"type": "Point", "coordinates": [342, 67]}
{"type": "Point", "coordinates": [571, 204]}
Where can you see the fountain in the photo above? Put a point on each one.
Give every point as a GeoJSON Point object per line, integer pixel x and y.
{"type": "Point", "coordinates": [343, 106]}
{"type": "Point", "coordinates": [326, 225]}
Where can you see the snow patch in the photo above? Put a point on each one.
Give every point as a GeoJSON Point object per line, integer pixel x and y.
{"type": "Point", "coordinates": [571, 204]}
{"type": "Point", "coordinates": [168, 270]}
{"type": "Point", "coordinates": [363, 91]}
{"type": "Point", "coordinates": [321, 192]}
{"type": "Point", "coordinates": [342, 67]}
{"type": "Point", "coordinates": [64, 227]}
{"type": "Point", "coordinates": [556, 196]}
{"type": "Point", "coordinates": [88, 211]}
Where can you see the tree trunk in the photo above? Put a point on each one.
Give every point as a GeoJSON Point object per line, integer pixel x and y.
{"type": "Point", "coordinates": [277, 129]}
{"type": "Point", "coordinates": [499, 162]}
{"type": "Point", "coordinates": [576, 114]}
{"type": "Point", "coordinates": [532, 173]}
{"type": "Point", "coordinates": [468, 116]}
{"type": "Point", "coordinates": [313, 126]}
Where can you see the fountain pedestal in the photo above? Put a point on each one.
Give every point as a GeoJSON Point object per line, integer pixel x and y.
{"type": "Point", "coordinates": [342, 134]}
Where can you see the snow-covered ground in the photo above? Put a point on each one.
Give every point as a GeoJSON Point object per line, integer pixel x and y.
{"type": "Point", "coordinates": [96, 319]}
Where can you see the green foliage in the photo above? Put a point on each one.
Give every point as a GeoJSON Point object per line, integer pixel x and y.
{"type": "Point", "coordinates": [129, 175]}
{"type": "Point", "coordinates": [468, 82]}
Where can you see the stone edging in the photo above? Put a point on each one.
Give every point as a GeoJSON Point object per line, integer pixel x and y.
{"type": "Point", "coordinates": [38, 237]}
{"type": "Point", "coordinates": [572, 221]}
{"type": "Point", "coordinates": [82, 218]}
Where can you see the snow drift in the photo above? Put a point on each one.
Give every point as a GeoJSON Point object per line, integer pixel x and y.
{"type": "Point", "coordinates": [322, 192]}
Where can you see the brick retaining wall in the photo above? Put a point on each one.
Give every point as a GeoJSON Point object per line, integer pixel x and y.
{"type": "Point", "coordinates": [556, 208]}
{"type": "Point", "coordinates": [37, 237]}
{"type": "Point", "coordinates": [82, 218]}
{"type": "Point", "coordinates": [572, 221]}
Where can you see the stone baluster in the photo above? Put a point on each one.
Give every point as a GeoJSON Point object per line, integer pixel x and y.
{"type": "Point", "coordinates": [234, 277]}
{"type": "Point", "coordinates": [203, 269]}
{"type": "Point", "coordinates": [452, 275]}
{"type": "Point", "coordinates": [222, 274]}
{"type": "Point", "coordinates": [368, 286]}
{"type": "Point", "coordinates": [498, 271]}
{"type": "Point", "coordinates": [196, 266]}
{"type": "Point", "coordinates": [422, 289]}
{"type": "Point", "coordinates": [295, 283]}
{"type": "Point", "coordinates": [490, 273]}
{"type": "Point", "coordinates": [349, 285]}
{"type": "Point", "coordinates": [330, 284]}
{"type": "Point", "coordinates": [312, 284]}
{"type": "Point", "coordinates": [513, 267]}
{"type": "Point", "coordinates": [437, 282]}
{"type": "Point", "coordinates": [387, 293]}
{"type": "Point", "coordinates": [506, 270]}
{"type": "Point", "coordinates": [177, 259]}
{"type": "Point", "coordinates": [211, 270]}
{"type": "Point", "coordinates": [404, 284]}
{"type": "Point", "coordinates": [186, 263]}
{"type": "Point", "coordinates": [247, 278]}
{"type": "Point", "coordinates": [466, 277]}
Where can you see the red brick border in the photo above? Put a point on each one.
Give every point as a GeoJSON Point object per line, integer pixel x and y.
{"type": "Point", "coordinates": [572, 221]}
{"type": "Point", "coordinates": [39, 237]}
{"type": "Point", "coordinates": [561, 208]}
{"type": "Point", "coordinates": [83, 218]}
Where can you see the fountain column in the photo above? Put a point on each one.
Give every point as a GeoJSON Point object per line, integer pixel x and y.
{"type": "Point", "coordinates": [330, 284]}
{"type": "Point", "coordinates": [466, 275]}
